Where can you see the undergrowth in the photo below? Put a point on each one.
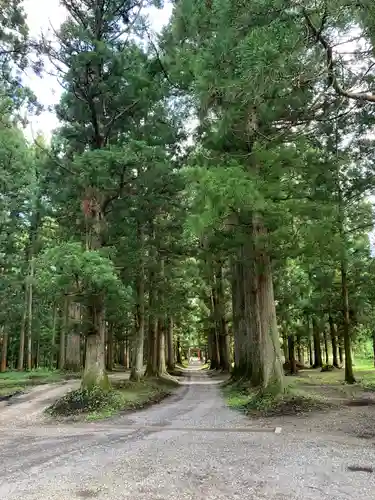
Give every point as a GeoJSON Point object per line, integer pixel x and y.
{"type": "Point", "coordinates": [96, 404]}
{"type": "Point", "coordinates": [265, 404]}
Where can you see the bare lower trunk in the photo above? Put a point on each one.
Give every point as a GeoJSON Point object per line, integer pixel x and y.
{"type": "Point", "coordinates": [285, 347]}
{"type": "Point", "coordinates": [349, 375]}
{"type": "Point", "coordinates": [63, 334]}
{"type": "Point", "coordinates": [237, 313]}
{"type": "Point", "coordinates": [4, 351]}
{"type": "Point", "coordinates": [171, 357]}
{"type": "Point", "coordinates": [258, 337]}
{"type": "Point", "coordinates": [225, 349]}
{"type": "Point", "coordinates": [317, 347]}
{"type": "Point", "coordinates": [292, 354]}
{"type": "Point", "coordinates": [332, 331]}
{"type": "Point", "coordinates": [326, 346]}
{"type": "Point", "coordinates": [94, 373]}
{"type": "Point", "coordinates": [219, 314]}
{"type": "Point", "coordinates": [73, 352]}
{"type": "Point", "coordinates": [300, 351]}
{"type": "Point", "coordinates": [21, 354]}
{"type": "Point", "coordinates": [126, 354]}
{"type": "Point", "coordinates": [137, 368]}
{"type": "Point", "coordinates": [53, 338]}
{"type": "Point", "coordinates": [214, 365]}
{"type": "Point", "coordinates": [178, 349]}
{"type": "Point", "coordinates": [30, 317]}
{"type": "Point", "coordinates": [109, 360]}
{"type": "Point", "coordinates": [162, 369]}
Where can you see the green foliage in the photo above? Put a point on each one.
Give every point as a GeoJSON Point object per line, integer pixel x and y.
{"type": "Point", "coordinates": [97, 404]}
{"type": "Point", "coordinates": [70, 267]}
{"type": "Point", "coordinates": [84, 401]}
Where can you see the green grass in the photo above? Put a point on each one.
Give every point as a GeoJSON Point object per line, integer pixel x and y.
{"type": "Point", "coordinates": [257, 404]}
{"type": "Point", "coordinates": [14, 381]}
{"type": "Point", "coordinates": [307, 391]}
{"type": "Point", "coordinates": [125, 396]}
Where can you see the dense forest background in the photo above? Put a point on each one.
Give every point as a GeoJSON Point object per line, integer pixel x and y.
{"type": "Point", "coordinates": [127, 239]}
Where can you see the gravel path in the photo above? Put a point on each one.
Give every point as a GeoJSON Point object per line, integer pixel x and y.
{"type": "Point", "coordinates": [110, 461]}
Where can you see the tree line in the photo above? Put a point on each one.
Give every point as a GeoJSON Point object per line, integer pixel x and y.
{"type": "Point", "coordinates": [125, 241]}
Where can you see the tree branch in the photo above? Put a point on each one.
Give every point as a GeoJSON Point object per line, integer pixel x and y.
{"type": "Point", "coordinates": [332, 78]}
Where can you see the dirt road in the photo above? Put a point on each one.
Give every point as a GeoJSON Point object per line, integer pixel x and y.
{"type": "Point", "coordinates": [189, 449]}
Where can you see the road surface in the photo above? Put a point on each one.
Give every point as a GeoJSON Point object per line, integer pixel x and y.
{"type": "Point", "coordinates": [188, 449]}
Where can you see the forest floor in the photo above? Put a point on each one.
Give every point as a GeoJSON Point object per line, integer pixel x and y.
{"type": "Point", "coordinates": [189, 447]}
{"type": "Point", "coordinates": [317, 401]}
{"type": "Point", "coordinates": [24, 397]}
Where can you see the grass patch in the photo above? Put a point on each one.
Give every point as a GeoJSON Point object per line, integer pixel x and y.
{"type": "Point", "coordinates": [259, 404]}
{"type": "Point", "coordinates": [35, 377]}
{"type": "Point", "coordinates": [12, 382]}
{"type": "Point", "coordinates": [98, 404]}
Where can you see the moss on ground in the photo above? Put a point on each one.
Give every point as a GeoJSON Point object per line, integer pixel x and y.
{"type": "Point", "coordinates": [256, 403]}
{"type": "Point", "coordinates": [309, 390]}
{"type": "Point", "coordinates": [98, 404]}
{"type": "Point", "coordinates": [12, 382]}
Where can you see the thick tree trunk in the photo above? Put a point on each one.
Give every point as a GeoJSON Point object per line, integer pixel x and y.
{"type": "Point", "coordinates": [63, 333]}
{"type": "Point", "coordinates": [94, 373]}
{"type": "Point", "coordinates": [225, 349]}
{"type": "Point", "coordinates": [126, 354]}
{"type": "Point", "coordinates": [219, 314]}
{"type": "Point", "coordinates": [258, 339]}
{"type": "Point", "coordinates": [238, 319]}
{"type": "Point", "coordinates": [215, 332]}
{"type": "Point", "coordinates": [109, 357]}
{"type": "Point", "coordinates": [30, 317]}
{"type": "Point", "coordinates": [4, 350]}
{"type": "Point", "coordinates": [73, 352]}
{"type": "Point", "coordinates": [318, 363]}
{"type": "Point", "coordinates": [152, 357]}
{"type": "Point", "coordinates": [178, 350]}
{"type": "Point", "coordinates": [349, 375]}
{"type": "Point", "coordinates": [292, 354]}
{"type": "Point", "coordinates": [332, 331]}
{"type": "Point", "coordinates": [285, 347]}
{"type": "Point", "coordinates": [137, 368]}
{"type": "Point", "coordinates": [71, 325]}
{"type": "Point", "coordinates": [162, 369]}
{"type": "Point", "coordinates": [21, 354]}
{"type": "Point", "coordinates": [326, 346]}
{"type": "Point", "coordinates": [170, 346]}
{"type": "Point", "coordinates": [215, 359]}
{"type": "Point", "coordinates": [300, 351]}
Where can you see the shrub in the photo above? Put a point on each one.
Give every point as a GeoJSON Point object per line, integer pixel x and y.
{"type": "Point", "coordinates": [84, 401]}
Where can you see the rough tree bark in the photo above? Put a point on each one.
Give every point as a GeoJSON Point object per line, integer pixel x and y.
{"type": "Point", "coordinates": [221, 325]}
{"type": "Point", "coordinates": [4, 350]}
{"type": "Point", "coordinates": [21, 353]}
{"type": "Point", "coordinates": [178, 350]}
{"type": "Point", "coordinates": [332, 331]}
{"type": "Point", "coordinates": [326, 346]}
{"type": "Point", "coordinates": [292, 355]}
{"type": "Point", "coordinates": [318, 363]}
{"type": "Point", "coordinates": [94, 374]}
{"type": "Point", "coordinates": [261, 362]}
{"type": "Point", "coordinates": [73, 338]}
{"type": "Point", "coordinates": [110, 348]}
{"type": "Point", "coordinates": [63, 333]}
{"type": "Point", "coordinates": [137, 368]}
{"type": "Point", "coordinates": [170, 346]}
{"type": "Point", "coordinates": [349, 375]}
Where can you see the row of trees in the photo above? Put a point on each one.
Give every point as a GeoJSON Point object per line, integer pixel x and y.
{"type": "Point", "coordinates": [122, 244]}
